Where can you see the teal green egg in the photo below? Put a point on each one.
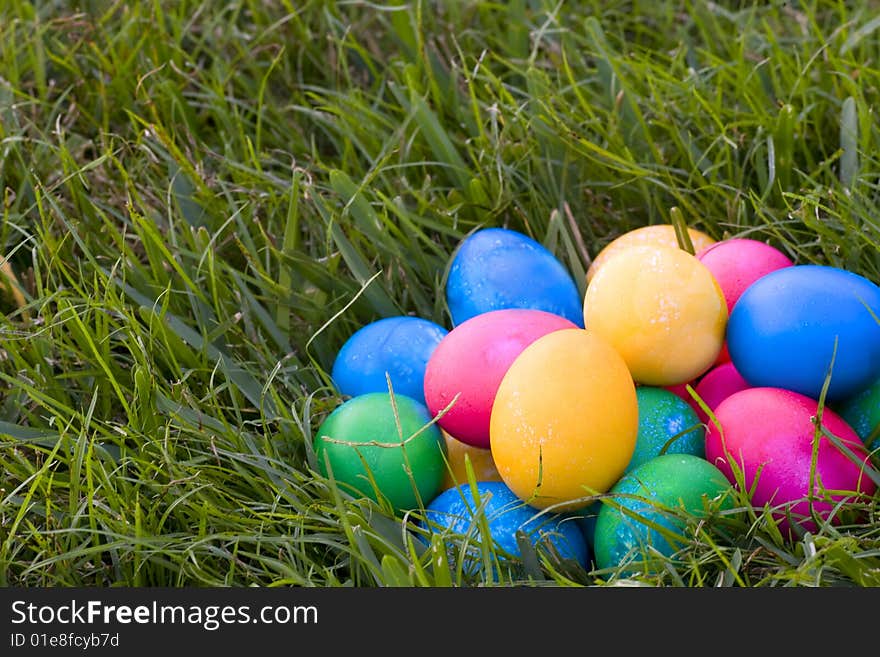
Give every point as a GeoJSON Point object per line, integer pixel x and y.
{"type": "Point", "coordinates": [862, 413]}
{"type": "Point", "coordinates": [642, 516]}
{"type": "Point", "coordinates": [667, 425]}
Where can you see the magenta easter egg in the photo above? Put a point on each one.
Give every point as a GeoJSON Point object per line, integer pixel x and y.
{"type": "Point", "coordinates": [718, 384]}
{"type": "Point", "coordinates": [767, 434]}
{"type": "Point", "coordinates": [738, 262]}
{"type": "Point", "coordinates": [466, 368]}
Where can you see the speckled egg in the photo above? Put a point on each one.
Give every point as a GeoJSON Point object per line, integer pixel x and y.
{"type": "Point", "coordinates": [667, 424]}
{"type": "Point", "coordinates": [459, 455]}
{"type": "Point", "coordinates": [653, 235]}
{"type": "Point", "coordinates": [565, 420]}
{"type": "Point", "coordinates": [466, 368]}
{"type": "Point", "coordinates": [766, 437]}
{"type": "Point", "coordinates": [862, 413]}
{"type": "Point", "coordinates": [456, 510]}
{"type": "Point", "coordinates": [498, 268]}
{"type": "Point", "coordinates": [398, 347]}
{"type": "Point", "coordinates": [681, 389]}
{"type": "Point", "coordinates": [642, 516]}
{"type": "Point", "coordinates": [377, 449]}
{"type": "Point", "coordinates": [786, 326]}
{"type": "Point", "coordinates": [661, 309]}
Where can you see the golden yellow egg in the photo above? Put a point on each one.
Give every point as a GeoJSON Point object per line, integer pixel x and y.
{"type": "Point", "coordinates": [654, 235]}
{"type": "Point", "coordinates": [661, 309]}
{"type": "Point", "coordinates": [564, 421]}
{"type": "Point", "coordinates": [457, 454]}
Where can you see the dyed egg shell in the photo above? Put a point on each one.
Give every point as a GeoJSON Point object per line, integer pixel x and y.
{"type": "Point", "coordinates": [458, 454]}
{"type": "Point", "coordinates": [467, 366]}
{"type": "Point", "coordinates": [717, 385]}
{"type": "Point", "coordinates": [361, 441]}
{"type": "Point", "coordinates": [397, 346]}
{"type": "Point", "coordinates": [654, 235]}
{"type": "Point", "coordinates": [498, 268]}
{"type": "Point", "coordinates": [667, 424]}
{"type": "Point", "coordinates": [783, 329]}
{"type": "Point", "coordinates": [862, 413]}
{"type": "Point", "coordinates": [661, 309]}
{"type": "Point", "coordinates": [649, 498]}
{"type": "Point", "coordinates": [768, 434]}
{"type": "Point", "coordinates": [506, 514]}
{"type": "Point", "coordinates": [681, 389]}
{"type": "Point", "coordinates": [736, 263]}
{"type": "Point", "coordinates": [565, 420]}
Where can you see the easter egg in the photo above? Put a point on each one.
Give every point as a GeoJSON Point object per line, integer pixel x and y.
{"type": "Point", "coordinates": [465, 370]}
{"type": "Point", "coordinates": [564, 421]}
{"type": "Point", "coordinates": [498, 268]}
{"type": "Point", "coordinates": [667, 424]}
{"type": "Point", "coordinates": [736, 263]}
{"type": "Point", "coordinates": [766, 436]}
{"type": "Point", "coordinates": [368, 439]}
{"type": "Point", "coordinates": [458, 455]}
{"type": "Point", "coordinates": [398, 347]}
{"type": "Point", "coordinates": [785, 327]}
{"type": "Point", "coordinates": [653, 235]}
{"type": "Point", "coordinates": [681, 389]}
{"type": "Point", "coordinates": [717, 385]}
{"type": "Point", "coordinates": [862, 413]}
{"type": "Point", "coordinates": [661, 309]}
{"type": "Point", "coordinates": [455, 509]}
{"type": "Point", "coordinates": [643, 513]}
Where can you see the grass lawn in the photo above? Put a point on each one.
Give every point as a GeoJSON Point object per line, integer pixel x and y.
{"type": "Point", "coordinates": [202, 201]}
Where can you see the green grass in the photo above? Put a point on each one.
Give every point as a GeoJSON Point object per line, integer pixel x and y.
{"type": "Point", "coordinates": [202, 201]}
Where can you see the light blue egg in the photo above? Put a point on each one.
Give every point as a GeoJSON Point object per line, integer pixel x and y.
{"type": "Point", "coordinates": [499, 268]}
{"type": "Point", "coordinates": [397, 346]}
{"type": "Point", "coordinates": [784, 329]}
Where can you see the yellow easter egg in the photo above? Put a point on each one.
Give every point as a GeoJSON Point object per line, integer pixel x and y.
{"type": "Point", "coordinates": [661, 309]}
{"type": "Point", "coordinates": [564, 421]}
{"type": "Point", "coordinates": [457, 453]}
{"type": "Point", "coordinates": [654, 235]}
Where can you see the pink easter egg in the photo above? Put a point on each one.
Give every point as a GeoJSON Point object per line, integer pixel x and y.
{"type": "Point", "coordinates": [718, 384]}
{"type": "Point", "coordinates": [768, 434]}
{"type": "Point", "coordinates": [467, 366]}
{"type": "Point", "coordinates": [736, 263]}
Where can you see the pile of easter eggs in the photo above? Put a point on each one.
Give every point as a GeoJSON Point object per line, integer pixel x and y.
{"type": "Point", "coordinates": [594, 424]}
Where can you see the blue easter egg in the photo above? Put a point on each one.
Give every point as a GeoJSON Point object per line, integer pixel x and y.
{"type": "Point", "coordinates": [397, 346]}
{"type": "Point", "coordinates": [454, 509]}
{"type": "Point", "coordinates": [783, 330]}
{"type": "Point", "coordinates": [499, 268]}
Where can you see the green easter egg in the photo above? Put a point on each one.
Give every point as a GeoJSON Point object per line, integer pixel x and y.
{"type": "Point", "coordinates": [666, 422]}
{"type": "Point", "coordinates": [636, 517]}
{"type": "Point", "coordinates": [862, 413]}
{"type": "Point", "coordinates": [362, 443]}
